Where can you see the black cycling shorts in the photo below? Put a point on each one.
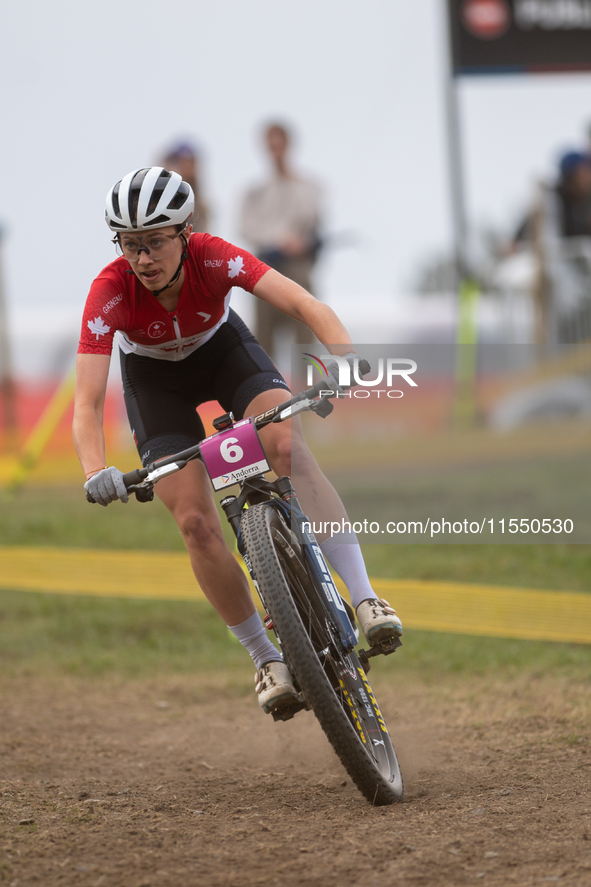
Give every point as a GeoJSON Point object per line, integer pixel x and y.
{"type": "Point", "coordinates": [162, 396]}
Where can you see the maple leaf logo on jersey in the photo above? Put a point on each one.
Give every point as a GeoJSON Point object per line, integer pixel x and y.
{"type": "Point", "coordinates": [235, 266]}
{"type": "Point", "coordinates": [98, 327]}
{"type": "Point", "coordinates": [156, 329]}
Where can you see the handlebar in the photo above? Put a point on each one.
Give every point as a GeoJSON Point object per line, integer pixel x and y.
{"type": "Point", "coordinates": [134, 480]}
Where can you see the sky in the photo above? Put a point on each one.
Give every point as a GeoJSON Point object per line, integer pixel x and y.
{"type": "Point", "coordinates": [93, 90]}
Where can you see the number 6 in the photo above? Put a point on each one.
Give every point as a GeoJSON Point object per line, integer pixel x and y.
{"type": "Point", "coordinates": [231, 453]}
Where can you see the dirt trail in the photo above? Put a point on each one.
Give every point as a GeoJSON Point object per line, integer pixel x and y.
{"type": "Point", "coordinates": [106, 784]}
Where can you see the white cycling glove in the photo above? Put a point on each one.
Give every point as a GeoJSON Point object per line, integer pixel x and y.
{"type": "Point", "coordinates": [332, 368]}
{"type": "Point", "coordinates": [107, 486]}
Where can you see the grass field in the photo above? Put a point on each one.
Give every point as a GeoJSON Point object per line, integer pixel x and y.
{"type": "Point", "coordinates": [88, 636]}
{"type": "Point", "coordinates": [60, 516]}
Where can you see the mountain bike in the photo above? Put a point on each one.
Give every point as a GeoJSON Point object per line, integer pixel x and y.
{"type": "Point", "coordinates": [314, 626]}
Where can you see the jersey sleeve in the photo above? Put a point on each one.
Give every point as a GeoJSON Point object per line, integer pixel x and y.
{"type": "Point", "coordinates": [224, 265]}
{"type": "Point", "coordinates": [102, 317]}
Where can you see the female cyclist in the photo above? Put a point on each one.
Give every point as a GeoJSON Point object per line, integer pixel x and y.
{"type": "Point", "coordinates": [167, 296]}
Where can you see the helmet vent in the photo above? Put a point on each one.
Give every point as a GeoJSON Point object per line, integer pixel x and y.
{"type": "Point", "coordinates": [138, 179]}
{"type": "Point", "coordinates": [180, 198]}
{"type": "Point", "coordinates": [116, 209]}
{"type": "Point", "coordinates": [159, 187]}
{"type": "Point", "coordinates": [159, 220]}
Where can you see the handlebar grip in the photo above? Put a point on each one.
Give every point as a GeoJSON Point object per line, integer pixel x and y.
{"type": "Point", "coordinates": [135, 477]}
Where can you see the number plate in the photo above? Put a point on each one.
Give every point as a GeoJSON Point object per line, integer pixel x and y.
{"type": "Point", "coordinates": [233, 455]}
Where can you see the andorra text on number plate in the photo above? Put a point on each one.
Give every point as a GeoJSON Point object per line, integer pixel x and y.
{"type": "Point", "coordinates": [233, 455]}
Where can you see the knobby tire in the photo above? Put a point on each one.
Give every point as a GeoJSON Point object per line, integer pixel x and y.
{"type": "Point", "coordinates": [302, 633]}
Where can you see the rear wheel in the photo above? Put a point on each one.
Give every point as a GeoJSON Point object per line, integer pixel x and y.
{"type": "Point", "coordinates": [333, 682]}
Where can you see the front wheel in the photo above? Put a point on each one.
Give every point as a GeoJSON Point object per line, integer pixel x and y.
{"type": "Point", "coordinates": [334, 683]}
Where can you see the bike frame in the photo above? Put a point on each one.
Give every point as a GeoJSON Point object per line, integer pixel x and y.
{"type": "Point", "coordinates": [280, 493]}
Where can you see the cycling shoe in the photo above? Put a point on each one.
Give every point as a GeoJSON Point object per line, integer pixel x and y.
{"type": "Point", "coordinates": [274, 686]}
{"type": "Point", "coordinates": [378, 621]}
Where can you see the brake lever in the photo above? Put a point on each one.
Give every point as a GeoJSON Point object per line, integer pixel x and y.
{"type": "Point", "coordinates": [142, 494]}
{"type": "Point", "coordinates": [323, 407]}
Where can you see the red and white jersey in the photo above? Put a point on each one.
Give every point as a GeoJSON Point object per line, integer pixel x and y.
{"type": "Point", "coordinates": [119, 302]}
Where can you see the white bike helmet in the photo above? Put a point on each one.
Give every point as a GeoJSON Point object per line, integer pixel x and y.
{"type": "Point", "coordinates": [149, 198]}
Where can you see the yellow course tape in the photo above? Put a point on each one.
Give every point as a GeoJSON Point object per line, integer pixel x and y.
{"type": "Point", "coordinates": [41, 434]}
{"type": "Point", "coordinates": [141, 574]}
{"type": "Point", "coordinates": [431, 606]}
{"type": "Point", "coordinates": [491, 610]}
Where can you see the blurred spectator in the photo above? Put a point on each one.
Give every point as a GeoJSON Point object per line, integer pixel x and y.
{"type": "Point", "coordinates": [574, 194]}
{"type": "Point", "coordinates": [572, 200]}
{"type": "Point", "coordinates": [184, 158]}
{"type": "Point", "coordinates": [280, 219]}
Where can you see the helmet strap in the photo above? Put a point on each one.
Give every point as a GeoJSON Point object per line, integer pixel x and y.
{"type": "Point", "coordinates": [177, 273]}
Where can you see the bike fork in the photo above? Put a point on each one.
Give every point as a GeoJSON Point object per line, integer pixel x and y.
{"type": "Point", "coordinates": [233, 508]}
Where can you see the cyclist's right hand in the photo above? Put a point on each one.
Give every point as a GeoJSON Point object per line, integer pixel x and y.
{"type": "Point", "coordinates": [107, 486]}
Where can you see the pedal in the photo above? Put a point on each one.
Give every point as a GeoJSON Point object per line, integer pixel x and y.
{"type": "Point", "coordinates": [286, 712]}
{"type": "Point", "coordinates": [384, 648]}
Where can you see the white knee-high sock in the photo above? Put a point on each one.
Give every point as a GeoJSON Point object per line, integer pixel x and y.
{"type": "Point", "coordinates": [252, 634]}
{"type": "Point", "coordinates": [343, 553]}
